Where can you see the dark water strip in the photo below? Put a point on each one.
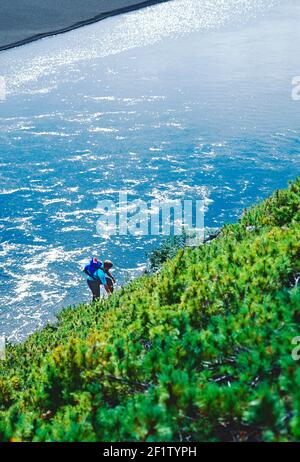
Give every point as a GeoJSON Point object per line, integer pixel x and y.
{"type": "Point", "coordinates": [19, 25]}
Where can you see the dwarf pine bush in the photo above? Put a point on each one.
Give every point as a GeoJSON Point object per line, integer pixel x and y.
{"type": "Point", "coordinates": [201, 351]}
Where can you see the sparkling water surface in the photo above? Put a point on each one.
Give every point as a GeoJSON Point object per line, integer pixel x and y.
{"type": "Point", "coordinates": [184, 100]}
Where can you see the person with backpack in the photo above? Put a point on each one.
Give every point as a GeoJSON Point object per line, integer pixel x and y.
{"type": "Point", "coordinates": [99, 274]}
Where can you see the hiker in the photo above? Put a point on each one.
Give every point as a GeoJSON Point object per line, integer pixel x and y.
{"type": "Point", "coordinates": [110, 280]}
{"type": "Point", "coordinates": [99, 274]}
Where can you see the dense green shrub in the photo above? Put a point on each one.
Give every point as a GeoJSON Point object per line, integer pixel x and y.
{"type": "Point", "coordinates": [199, 351]}
{"type": "Point", "coordinates": [167, 250]}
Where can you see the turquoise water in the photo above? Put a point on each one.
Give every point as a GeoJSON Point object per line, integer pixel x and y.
{"type": "Point", "coordinates": [183, 100]}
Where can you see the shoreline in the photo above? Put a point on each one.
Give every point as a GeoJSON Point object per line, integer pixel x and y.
{"type": "Point", "coordinates": [99, 17]}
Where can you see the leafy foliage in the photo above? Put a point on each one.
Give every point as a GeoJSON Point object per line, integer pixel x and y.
{"type": "Point", "coordinates": [200, 351]}
{"type": "Point", "coordinates": [166, 251]}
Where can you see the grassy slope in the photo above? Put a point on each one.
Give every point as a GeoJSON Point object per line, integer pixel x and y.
{"type": "Point", "coordinates": [201, 351]}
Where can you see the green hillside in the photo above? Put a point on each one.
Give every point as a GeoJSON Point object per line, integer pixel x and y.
{"type": "Point", "coordinates": [201, 351]}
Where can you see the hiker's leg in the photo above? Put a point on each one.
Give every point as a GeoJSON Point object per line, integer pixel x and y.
{"type": "Point", "coordinates": [91, 287]}
{"type": "Point", "coordinates": [95, 289]}
{"type": "Point", "coordinates": [110, 285]}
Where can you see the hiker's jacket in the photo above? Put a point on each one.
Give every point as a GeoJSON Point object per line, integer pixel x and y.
{"type": "Point", "coordinates": [99, 275]}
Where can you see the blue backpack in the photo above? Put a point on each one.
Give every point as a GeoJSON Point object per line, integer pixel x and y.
{"type": "Point", "coordinates": [92, 267]}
